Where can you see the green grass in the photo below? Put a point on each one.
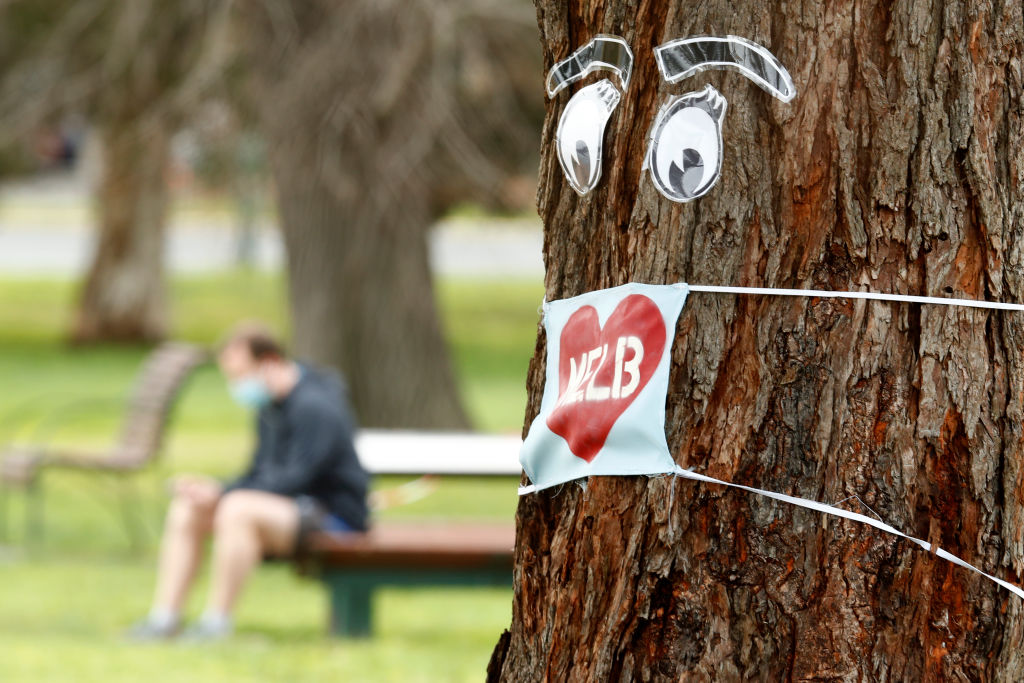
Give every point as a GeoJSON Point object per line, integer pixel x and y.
{"type": "Point", "coordinates": [491, 328]}
{"type": "Point", "coordinates": [65, 599]}
{"type": "Point", "coordinates": [63, 621]}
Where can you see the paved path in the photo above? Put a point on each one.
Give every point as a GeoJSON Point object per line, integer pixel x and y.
{"type": "Point", "coordinates": [45, 230]}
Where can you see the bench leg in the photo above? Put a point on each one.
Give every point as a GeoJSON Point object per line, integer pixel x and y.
{"type": "Point", "coordinates": [34, 502]}
{"type": "Point", "coordinates": [351, 607]}
{"type": "Point", "coordinates": [131, 514]}
{"type": "Point", "coordinates": [4, 496]}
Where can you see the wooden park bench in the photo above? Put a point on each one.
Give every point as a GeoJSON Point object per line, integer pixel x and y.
{"type": "Point", "coordinates": [146, 414]}
{"type": "Point", "coordinates": [353, 566]}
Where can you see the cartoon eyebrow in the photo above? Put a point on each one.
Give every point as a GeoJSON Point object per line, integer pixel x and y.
{"type": "Point", "coordinates": [602, 52]}
{"type": "Point", "coordinates": [681, 58]}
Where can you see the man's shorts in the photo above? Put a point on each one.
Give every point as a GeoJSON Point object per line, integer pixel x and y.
{"type": "Point", "coordinates": [313, 518]}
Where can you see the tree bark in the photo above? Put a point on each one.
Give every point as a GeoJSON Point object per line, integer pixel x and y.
{"type": "Point", "coordinates": [899, 167]}
{"type": "Point", "coordinates": [123, 299]}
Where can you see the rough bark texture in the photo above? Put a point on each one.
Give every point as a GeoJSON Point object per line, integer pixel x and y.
{"type": "Point", "coordinates": [899, 167]}
{"type": "Point", "coordinates": [123, 298]}
{"type": "Point", "coordinates": [363, 105]}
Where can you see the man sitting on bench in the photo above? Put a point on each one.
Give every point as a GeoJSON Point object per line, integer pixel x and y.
{"type": "Point", "coordinates": [304, 476]}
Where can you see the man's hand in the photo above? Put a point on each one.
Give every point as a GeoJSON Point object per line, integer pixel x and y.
{"type": "Point", "coordinates": [201, 490]}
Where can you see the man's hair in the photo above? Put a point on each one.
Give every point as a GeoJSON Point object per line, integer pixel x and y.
{"type": "Point", "coordinates": [257, 338]}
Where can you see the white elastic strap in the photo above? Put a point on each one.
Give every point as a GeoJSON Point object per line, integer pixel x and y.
{"type": "Point", "coordinates": [856, 517]}
{"type": "Point", "coordinates": [529, 488]}
{"type": "Point", "coordinates": [878, 296]}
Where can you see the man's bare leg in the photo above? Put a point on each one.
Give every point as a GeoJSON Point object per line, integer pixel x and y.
{"type": "Point", "coordinates": [187, 525]}
{"type": "Point", "coordinates": [189, 521]}
{"type": "Point", "coordinates": [248, 525]}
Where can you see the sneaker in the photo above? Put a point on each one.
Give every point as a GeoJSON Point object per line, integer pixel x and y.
{"type": "Point", "coordinates": [209, 629]}
{"type": "Point", "coordinates": [150, 630]}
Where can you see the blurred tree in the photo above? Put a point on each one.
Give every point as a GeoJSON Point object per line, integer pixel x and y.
{"type": "Point", "coordinates": [380, 114]}
{"type": "Point", "coordinates": [134, 67]}
{"type": "Point", "coordinates": [899, 167]}
{"type": "Point", "coordinates": [151, 70]}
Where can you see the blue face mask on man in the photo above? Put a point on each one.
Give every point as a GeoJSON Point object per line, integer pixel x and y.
{"type": "Point", "coordinates": [251, 392]}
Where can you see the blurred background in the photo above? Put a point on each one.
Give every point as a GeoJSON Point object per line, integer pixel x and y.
{"type": "Point", "coordinates": [361, 176]}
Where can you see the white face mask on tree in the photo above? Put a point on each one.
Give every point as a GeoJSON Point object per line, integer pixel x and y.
{"type": "Point", "coordinates": [602, 412]}
{"type": "Point", "coordinates": [603, 409]}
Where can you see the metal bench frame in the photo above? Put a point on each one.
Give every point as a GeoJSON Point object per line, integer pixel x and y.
{"type": "Point", "coordinates": [147, 413]}
{"type": "Point", "coordinates": [353, 566]}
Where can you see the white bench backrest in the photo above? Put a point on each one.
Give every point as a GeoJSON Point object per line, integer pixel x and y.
{"type": "Point", "coordinates": [411, 452]}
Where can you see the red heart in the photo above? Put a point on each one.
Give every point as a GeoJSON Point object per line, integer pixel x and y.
{"type": "Point", "coordinates": [601, 372]}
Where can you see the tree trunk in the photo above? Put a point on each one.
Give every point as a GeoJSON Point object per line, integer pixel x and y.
{"type": "Point", "coordinates": [137, 68]}
{"type": "Point", "coordinates": [123, 299]}
{"type": "Point", "coordinates": [899, 167]}
{"type": "Point", "coordinates": [344, 98]}
{"type": "Point", "coordinates": [362, 299]}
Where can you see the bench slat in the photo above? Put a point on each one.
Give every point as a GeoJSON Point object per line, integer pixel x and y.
{"type": "Point", "coordinates": [401, 546]}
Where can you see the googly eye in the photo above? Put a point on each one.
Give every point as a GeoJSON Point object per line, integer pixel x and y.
{"type": "Point", "coordinates": [580, 134]}
{"type": "Point", "coordinates": [685, 151]}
